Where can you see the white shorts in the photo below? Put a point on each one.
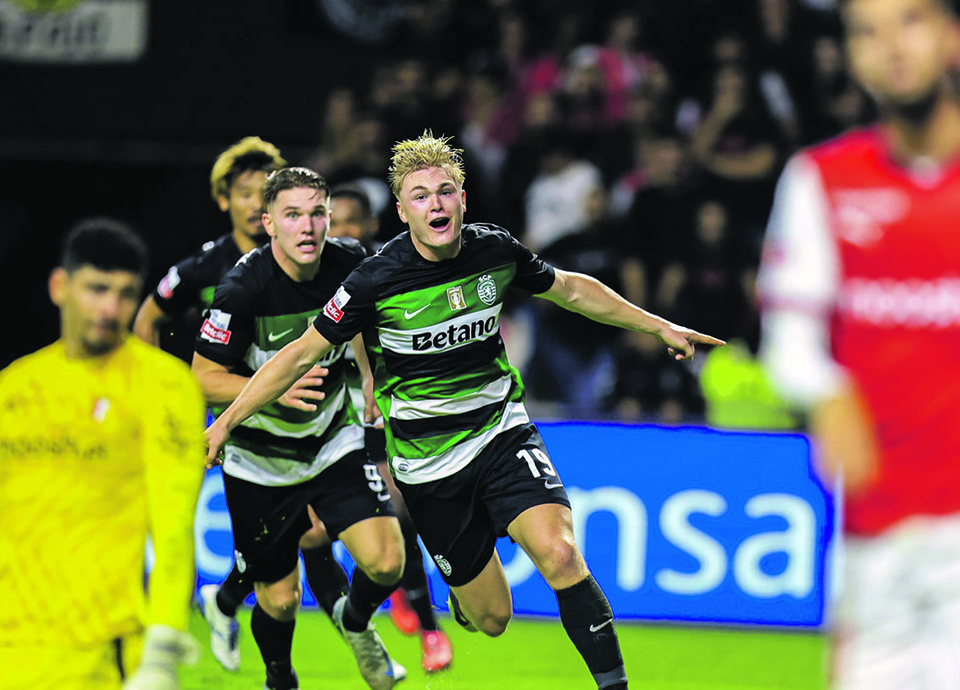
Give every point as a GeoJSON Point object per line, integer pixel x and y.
{"type": "Point", "coordinates": [898, 620]}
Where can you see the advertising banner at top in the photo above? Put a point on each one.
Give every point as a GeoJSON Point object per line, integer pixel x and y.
{"type": "Point", "coordinates": [73, 31]}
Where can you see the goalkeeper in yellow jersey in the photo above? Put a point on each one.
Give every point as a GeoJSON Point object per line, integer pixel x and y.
{"type": "Point", "coordinates": [100, 445]}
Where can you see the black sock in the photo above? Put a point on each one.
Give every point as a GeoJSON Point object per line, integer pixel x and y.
{"type": "Point", "coordinates": [588, 620]}
{"type": "Point", "coordinates": [364, 598]}
{"type": "Point", "coordinates": [233, 591]}
{"type": "Point", "coordinates": [414, 579]}
{"type": "Point", "coordinates": [275, 640]}
{"type": "Point", "coordinates": [327, 579]}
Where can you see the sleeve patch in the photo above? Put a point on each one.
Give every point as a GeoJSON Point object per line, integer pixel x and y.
{"type": "Point", "coordinates": [216, 327]}
{"type": "Point", "coordinates": [333, 311]}
{"type": "Point", "coordinates": [334, 308]}
{"type": "Point", "coordinates": [169, 283]}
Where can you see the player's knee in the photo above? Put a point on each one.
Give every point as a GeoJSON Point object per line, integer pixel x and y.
{"type": "Point", "coordinates": [560, 560]}
{"type": "Point", "coordinates": [281, 602]}
{"type": "Point", "coordinates": [493, 623]}
{"type": "Point", "coordinates": [386, 570]}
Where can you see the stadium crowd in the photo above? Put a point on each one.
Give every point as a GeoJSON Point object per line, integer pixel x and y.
{"type": "Point", "coordinates": [627, 143]}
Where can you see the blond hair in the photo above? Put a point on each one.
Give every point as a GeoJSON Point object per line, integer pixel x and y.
{"type": "Point", "coordinates": [427, 151]}
{"type": "Point", "coordinates": [250, 153]}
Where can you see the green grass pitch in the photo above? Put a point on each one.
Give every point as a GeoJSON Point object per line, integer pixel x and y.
{"type": "Point", "coordinates": [535, 654]}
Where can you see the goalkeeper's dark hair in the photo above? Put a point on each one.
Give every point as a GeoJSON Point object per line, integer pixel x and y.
{"type": "Point", "coordinates": [105, 244]}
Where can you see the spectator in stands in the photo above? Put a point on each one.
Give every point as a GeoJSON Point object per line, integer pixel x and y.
{"type": "Point", "coordinates": [557, 200]}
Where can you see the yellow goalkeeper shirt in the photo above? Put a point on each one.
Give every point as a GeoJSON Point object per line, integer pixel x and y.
{"type": "Point", "coordinates": [94, 455]}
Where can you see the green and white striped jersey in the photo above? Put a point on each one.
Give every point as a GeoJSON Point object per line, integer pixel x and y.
{"type": "Point", "coordinates": [257, 310]}
{"type": "Point", "coordinates": [432, 331]}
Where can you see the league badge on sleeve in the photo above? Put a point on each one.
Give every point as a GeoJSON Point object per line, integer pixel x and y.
{"type": "Point", "coordinates": [216, 327]}
{"type": "Point", "coordinates": [334, 308]}
{"type": "Point", "coordinates": [169, 283]}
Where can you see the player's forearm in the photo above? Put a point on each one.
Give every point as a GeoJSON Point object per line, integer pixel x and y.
{"type": "Point", "coordinates": [586, 295]}
{"type": "Point", "coordinates": [173, 577]}
{"type": "Point", "coordinates": [270, 381]}
{"type": "Point", "coordinates": [174, 473]}
{"type": "Point", "coordinates": [147, 324]}
{"type": "Point", "coordinates": [221, 388]}
{"type": "Point", "coordinates": [360, 355]}
{"type": "Point", "coordinates": [796, 355]}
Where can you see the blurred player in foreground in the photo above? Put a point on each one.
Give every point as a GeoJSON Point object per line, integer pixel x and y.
{"type": "Point", "coordinates": [469, 462]}
{"type": "Point", "coordinates": [411, 605]}
{"type": "Point", "coordinates": [100, 446]}
{"type": "Point", "coordinates": [861, 286]}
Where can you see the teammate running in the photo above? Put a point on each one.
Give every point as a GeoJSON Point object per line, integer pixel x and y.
{"type": "Point", "coordinates": [182, 300]}
{"type": "Point", "coordinates": [411, 605]}
{"type": "Point", "coordinates": [308, 449]}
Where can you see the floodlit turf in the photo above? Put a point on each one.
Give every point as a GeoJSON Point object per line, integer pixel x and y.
{"type": "Point", "coordinates": [535, 655]}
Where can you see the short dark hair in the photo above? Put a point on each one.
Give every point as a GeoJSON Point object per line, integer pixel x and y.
{"type": "Point", "coordinates": [105, 244]}
{"type": "Point", "coordinates": [356, 193]}
{"type": "Point", "coordinates": [292, 178]}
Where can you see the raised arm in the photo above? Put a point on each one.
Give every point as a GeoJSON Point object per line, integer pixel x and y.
{"type": "Point", "coordinates": [271, 381]}
{"type": "Point", "coordinates": [585, 295]}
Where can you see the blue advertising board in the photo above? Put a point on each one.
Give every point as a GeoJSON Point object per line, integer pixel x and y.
{"type": "Point", "coordinates": [686, 524]}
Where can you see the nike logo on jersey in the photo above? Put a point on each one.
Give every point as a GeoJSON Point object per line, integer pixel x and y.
{"type": "Point", "coordinates": [410, 314]}
{"type": "Point", "coordinates": [550, 485]}
{"type": "Point", "coordinates": [595, 628]}
{"type": "Point", "coordinates": [274, 337]}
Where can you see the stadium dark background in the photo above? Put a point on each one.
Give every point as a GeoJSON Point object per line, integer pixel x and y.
{"type": "Point", "coordinates": [136, 140]}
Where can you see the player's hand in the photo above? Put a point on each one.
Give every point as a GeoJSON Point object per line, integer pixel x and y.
{"type": "Point", "coordinates": [845, 442]}
{"type": "Point", "coordinates": [304, 390]}
{"type": "Point", "coordinates": [680, 341]}
{"type": "Point", "coordinates": [164, 649]}
{"type": "Point", "coordinates": [216, 437]}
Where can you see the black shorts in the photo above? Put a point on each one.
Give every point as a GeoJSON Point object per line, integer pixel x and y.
{"type": "Point", "coordinates": [460, 517]}
{"type": "Point", "coordinates": [268, 521]}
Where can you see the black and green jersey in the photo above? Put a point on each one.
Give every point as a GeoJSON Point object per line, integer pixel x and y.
{"type": "Point", "coordinates": [186, 291]}
{"type": "Point", "coordinates": [257, 310]}
{"type": "Point", "coordinates": [432, 331]}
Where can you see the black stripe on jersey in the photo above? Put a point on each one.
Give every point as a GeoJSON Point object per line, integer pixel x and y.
{"type": "Point", "coordinates": [331, 382]}
{"type": "Point", "coordinates": [265, 444]}
{"type": "Point", "coordinates": [414, 429]}
{"type": "Point", "coordinates": [443, 364]}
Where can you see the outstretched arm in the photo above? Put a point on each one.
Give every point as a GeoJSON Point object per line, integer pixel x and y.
{"type": "Point", "coordinates": [585, 295]}
{"type": "Point", "coordinates": [271, 381]}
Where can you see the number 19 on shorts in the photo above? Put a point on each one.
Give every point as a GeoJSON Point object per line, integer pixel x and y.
{"type": "Point", "coordinates": [539, 464]}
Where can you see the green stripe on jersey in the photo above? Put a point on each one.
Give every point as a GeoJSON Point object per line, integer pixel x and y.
{"type": "Point", "coordinates": [443, 379]}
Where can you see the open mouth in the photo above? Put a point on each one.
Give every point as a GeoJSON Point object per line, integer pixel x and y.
{"type": "Point", "coordinates": [439, 223]}
{"type": "Point", "coordinates": [307, 246]}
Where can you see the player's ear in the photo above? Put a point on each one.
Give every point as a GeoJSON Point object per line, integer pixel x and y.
{"type": "Point", "coordinates": [268, 224]}
{"type": "Point", "coordinates": [223, 201]}
{"type": "Point", "coordinates": [463, 200]}
{"type": "Point", "coordinates": [403, 216]}
{"type": "Point", "coordinates": [58, 285]}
